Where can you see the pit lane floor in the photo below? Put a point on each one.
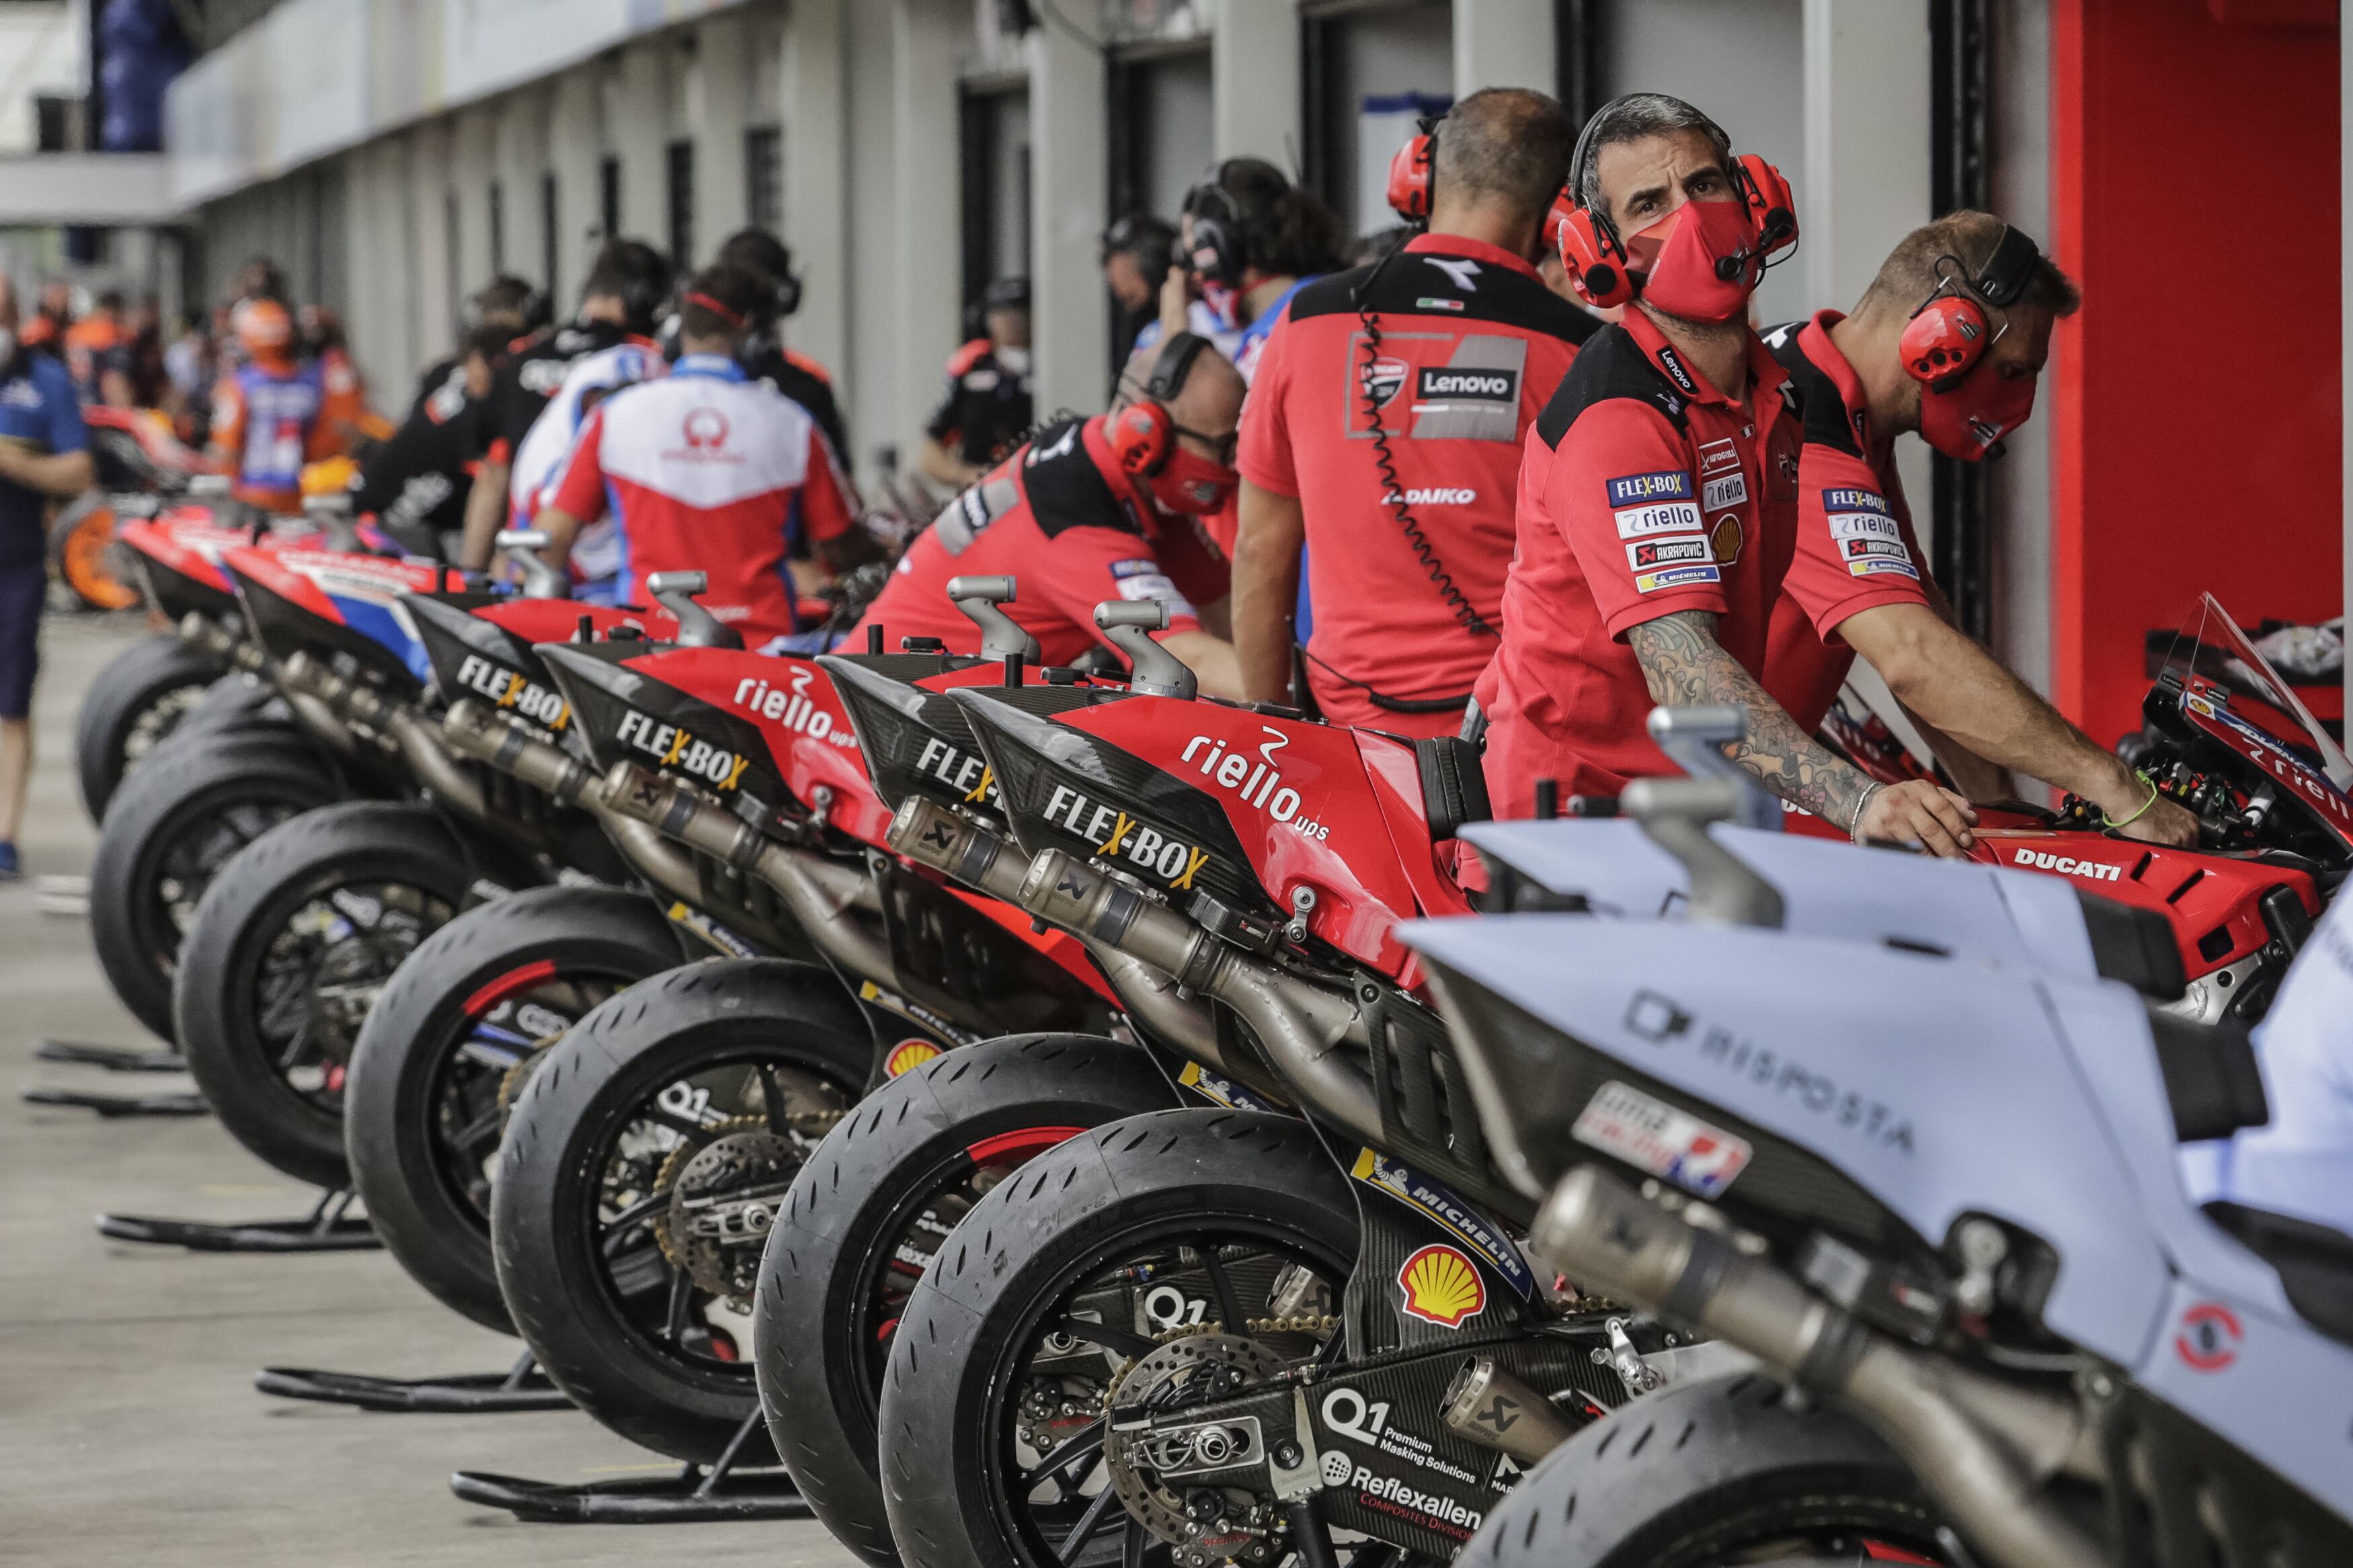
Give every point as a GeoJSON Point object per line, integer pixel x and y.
{"type": "Point", "coordinates": [130, 1431]}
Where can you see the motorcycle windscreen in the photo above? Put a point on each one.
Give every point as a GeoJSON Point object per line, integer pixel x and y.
{"type": "Point", "coordinates": [2212, 644]}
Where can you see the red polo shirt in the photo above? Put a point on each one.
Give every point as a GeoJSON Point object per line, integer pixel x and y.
{"type": "Point", "coordinates": [1645, 492]}
{"type": "Point", "coordinates": [1470, 344]}
{"type": "Point", "coordinates": [1804, 667]}
{"type": "Point", "coordinates": [1069, 527]}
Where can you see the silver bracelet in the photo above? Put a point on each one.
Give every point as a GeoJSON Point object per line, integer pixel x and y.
{"type": "Point", "coordinates": [1854, 828]}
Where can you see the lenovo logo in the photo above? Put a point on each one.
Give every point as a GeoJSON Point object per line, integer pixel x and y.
{"type": "Point", "coordinates": [1445, 384]}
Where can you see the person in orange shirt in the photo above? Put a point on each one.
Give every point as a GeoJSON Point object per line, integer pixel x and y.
{"type": "Point", "coordinates": [91, 341]}
{"type": "Point", "coordinates": [342, 391]}
{"type": "Point", "coordinates": [267, 414]}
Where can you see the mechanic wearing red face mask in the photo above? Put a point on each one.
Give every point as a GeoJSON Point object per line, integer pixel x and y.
{"type": "Point", "coordinates": [1384, 431]}
{"type": "Point", "coordinates": [1091, 510]}
{"type": "Point", "coordinates": [1661, 524]}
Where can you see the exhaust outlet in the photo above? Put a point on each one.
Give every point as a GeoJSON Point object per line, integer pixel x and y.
{"type": "Point", "coordinates": [479, 732]}
{"type": "Point", "coordinates": [1496, 1410]}
{"type": "Point", "coordinates": [1303, 1026]}
{"type": "Point", "coordinates": [214, 640]}
{"type": "Point", "coordinates": [1982, 1447]}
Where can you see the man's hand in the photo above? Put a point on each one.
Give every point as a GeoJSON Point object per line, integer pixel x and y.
{"type": "Point", "coordinates": [2163, 823]}
{"type": "Point", "coordinates": [1917, 812]}
{"type": "Point", "coordinates": [1210, 659]}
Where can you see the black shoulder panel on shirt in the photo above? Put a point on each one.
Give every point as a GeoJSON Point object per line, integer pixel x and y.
{"type": "Point", "coordinates": [1064, 488]}
{"type": "Point", "coordinates": [1412, 285]}
{"type": "Point", "coordinates": [1820, 404]}
{"type": "Point", "coordinates": [1611, 364]}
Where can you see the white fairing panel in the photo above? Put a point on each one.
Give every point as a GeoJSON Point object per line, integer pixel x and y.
{"type": "Point", "coordinates": [1941, 1085]}
{"type": "Point", "coordinates": [1827, 889]}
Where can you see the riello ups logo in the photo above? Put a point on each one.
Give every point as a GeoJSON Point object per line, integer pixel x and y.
{"type": "Point", "coordinates": [511, 688]}
{"type": "Point", "coordinates": [1119, 839]}
{"type": "Point", "coordinates": [672, 747]}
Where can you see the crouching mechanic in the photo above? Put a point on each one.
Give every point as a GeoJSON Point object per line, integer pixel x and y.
{"type": "Point", "coordinates": [1661, 522]}
{"type": "Point", "coordinates": [706, 470]}
{"type": "Point", "coordinates": [1107, 507]}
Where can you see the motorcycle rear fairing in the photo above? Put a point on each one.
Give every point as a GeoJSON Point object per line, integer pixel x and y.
{"type": "Point", "coordinates": [315, 600]}
{"type": "Point", "coordinates": [913, 738]}
{"type": "Point", "coordinates": [1804, 1041]}
{"type": "Point", "coordinates": [483, 646]}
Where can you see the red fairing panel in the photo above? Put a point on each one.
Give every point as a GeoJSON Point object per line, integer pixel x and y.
{"type": "Point", "coordinates": [793, 707]}
{"type": "Point", "coordinates": [190, 542]}
{"type": "Point", "coordinates": [1299, 801]}
{"type": "Point", "coordinates": [558, 620]}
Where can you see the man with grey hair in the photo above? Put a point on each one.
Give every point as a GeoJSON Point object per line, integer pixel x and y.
{"type": "Point", "coordinates": [1661, 529]}
{"type": "Point", "coordinates": [1384, 432]}
{"type": "Point", "coordinates": [44, 456]}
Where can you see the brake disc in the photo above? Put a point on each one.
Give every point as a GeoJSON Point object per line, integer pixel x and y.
{"type": "Point", "coordinates": [1168, 1477]}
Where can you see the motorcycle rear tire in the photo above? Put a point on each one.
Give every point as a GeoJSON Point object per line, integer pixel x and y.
{"type": "Point", "coordinates": [215, 1000]}
{"type": "Point", "coordinates": [138, 699]}
{"type": "Point", "coordinates": [1687, 1476]}
{"type": "Point", "coordinates": [544, 1201]}
{"type": "Point", "coordinates": [263, 778]}
{"type": "Point", "coordinates": [391, 1101]}
{"type": "Point", "coordinates": [1024, 1243]}
{"type": "Point", "coordinates": [856, 1198]}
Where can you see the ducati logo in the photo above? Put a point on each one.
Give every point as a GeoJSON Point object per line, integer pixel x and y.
{"type": "Point", "coordinates": [1384, 379]}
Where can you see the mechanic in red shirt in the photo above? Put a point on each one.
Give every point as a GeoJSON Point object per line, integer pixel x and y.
{"type": "Point", "coordinates": [1107, 507]}
{"type": "Point", "coordinates": [707, 469]}
{"type": "Point", "coordinates": [1660, 519]}
{"type": "Point", "coordinates": [1384, 429]}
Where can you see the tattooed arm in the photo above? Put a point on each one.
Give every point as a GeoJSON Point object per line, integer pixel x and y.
{"type": "Point", "coordinates": [1685, 667]}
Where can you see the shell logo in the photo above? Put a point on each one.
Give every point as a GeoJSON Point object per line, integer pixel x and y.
{"type": "Point", "coordinates": [1442, 1286]}
{"type": "Point", "coordinates": [907, 1055]}
{"type": "Point", "coordinates": [1726, 538]}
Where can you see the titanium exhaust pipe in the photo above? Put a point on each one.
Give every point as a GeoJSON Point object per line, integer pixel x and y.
{"type": "Point", "coordinates": [820, 894]}
{"type": "Point", "coordinates": [1496, 1410]}
{"type": "Point", "coordinates": [427, 755]}
{"type": "Point", "coordinates": [931, 835]}
{"type": "Point", "coordinates": [1302, 1025]}
{"type": "Point", "coordinates": [1981, 1448]}
{"type": "Point", "coordinates": [210, 637]}
{"type": "Point", "coordinates": [303, 682]}
{"type": "Point", "coordinates": [477, 732]}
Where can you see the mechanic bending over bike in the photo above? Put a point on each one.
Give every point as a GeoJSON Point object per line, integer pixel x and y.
{"type": "Point", "coordinates": [1661, 521]}
{"type": "Point", "coordinates": [1384, 431]}
{"type": "Point", "coordinates": [705, 469]}
{"type": "Point", "coordinates": [1091, 510]}
{"type": "Point", "coordinates": [611, 340]}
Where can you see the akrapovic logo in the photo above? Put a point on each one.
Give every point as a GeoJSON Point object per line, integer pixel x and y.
{"type": "Point", "coordinates": [1446, 384]}
{"type": "Point", "coordinates": [508, 688]}
{"type": "Point", "coordinates": [1114, 836]}
{"type": "Point", "coordinates": [958, 770]}
{"type": "Point", "coordinates": [1259, 785]}
{"type": "Point", "coordinates": [672, 747]}
{"type": "Point", "coordinates": [792, 709]}
{"type": "Point", "coordinates": [2068, 866]}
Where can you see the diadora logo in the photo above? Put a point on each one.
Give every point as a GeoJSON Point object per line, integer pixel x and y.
{"type": "Point", "coordinates": [959, 770]}
{"type": "Point", "coordinates": [672, 747]}
{"type": "Point", "coordinates": [1261, 783]}
{"type": "Point", "coordinates": [2068, 866]}
{"type": "Point", "coordinates": [1115, 836]}
{"type": "Point", "coordinates": [508, 688]}
{"type": "Point", "coordinates": [792, 707]}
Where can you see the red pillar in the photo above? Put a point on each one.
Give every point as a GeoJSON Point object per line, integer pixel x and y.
{"type": "Point", "coordinates": [2196, 438]}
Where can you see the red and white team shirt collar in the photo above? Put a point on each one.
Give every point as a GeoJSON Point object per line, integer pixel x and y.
{"type": "Point", "coordinates": [1470, 250]}
{"type": "Point", "coordinates": [1814, 343]}
{"type": "Point", "coordinates": [1766, 374]}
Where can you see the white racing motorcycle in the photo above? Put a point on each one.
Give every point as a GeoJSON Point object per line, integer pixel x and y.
{"type": "Point", "coordinates": [1932, 1187]}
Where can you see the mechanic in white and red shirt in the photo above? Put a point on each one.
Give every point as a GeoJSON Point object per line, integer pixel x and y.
{"type": "Point", "coordinates": [707, 470]}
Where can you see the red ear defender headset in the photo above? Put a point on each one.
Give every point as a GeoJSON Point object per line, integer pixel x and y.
{"type": "Point", "coordinates": [1216, 254]}
{"type": "Point", "coordinates": [1947, 334]}
{"type": "Point", "coordinates": [1596, 257]}
{"type": "Point", "coordinates": [1411, 171]}
{"type": "Point", "coordinates": [1143, 433]}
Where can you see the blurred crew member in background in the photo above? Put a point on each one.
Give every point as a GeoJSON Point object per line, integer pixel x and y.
{"type": "Point", "coordinates": [342, 391]}
{"type": "Point", "coordinates": [1250, 240]}
{"type": "Point", "coordinates": [609, 344]}
{"type": "Point", "coordinates": [132, 374]}
{"type": "Point", "coordinates": [766, 358]}
{"type": "Point", "coordinates": [984, 409]}
{"type": "Point", "coordinates": [1384, 432]}
{"type": "Point", "coordinates": [44, 456]}
{"type": "Point", "coordinates": [90, 341]}
{"type": "Point", "coordinates": [1091, 510]}
{"type": "Point", "coordinates": [1664, 512]}
{"type": "Point", "coordinates": [265, 412]}
{"type": "Point", "coordinates": [1137, 251]}
{"type": "Point", "coordinates": [706, 470]}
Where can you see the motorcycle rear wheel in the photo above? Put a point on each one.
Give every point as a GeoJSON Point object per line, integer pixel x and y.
{"type": "Point", "coordinates": [1721, 1471]}
{"type": "Point", "coordinates": [137, 700]}
{"type": "Point", "coordinates": [436, 1064]}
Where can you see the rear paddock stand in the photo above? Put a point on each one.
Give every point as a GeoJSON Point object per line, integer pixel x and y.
{"type": "Point", "coordinates": [327, 1228]}
{"type": "Point", "coordinates": [114, 1058]}
{"type": "Point", "coordinates": [524, 1387]}
{"type": "Point", "coordinates": [693, 1496]}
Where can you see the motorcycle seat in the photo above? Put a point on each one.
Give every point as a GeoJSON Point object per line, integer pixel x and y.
{"type": "Point", "coordinates": [1453, 785]}
{"type": "Point", "coordinates": [2314, 1262]}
